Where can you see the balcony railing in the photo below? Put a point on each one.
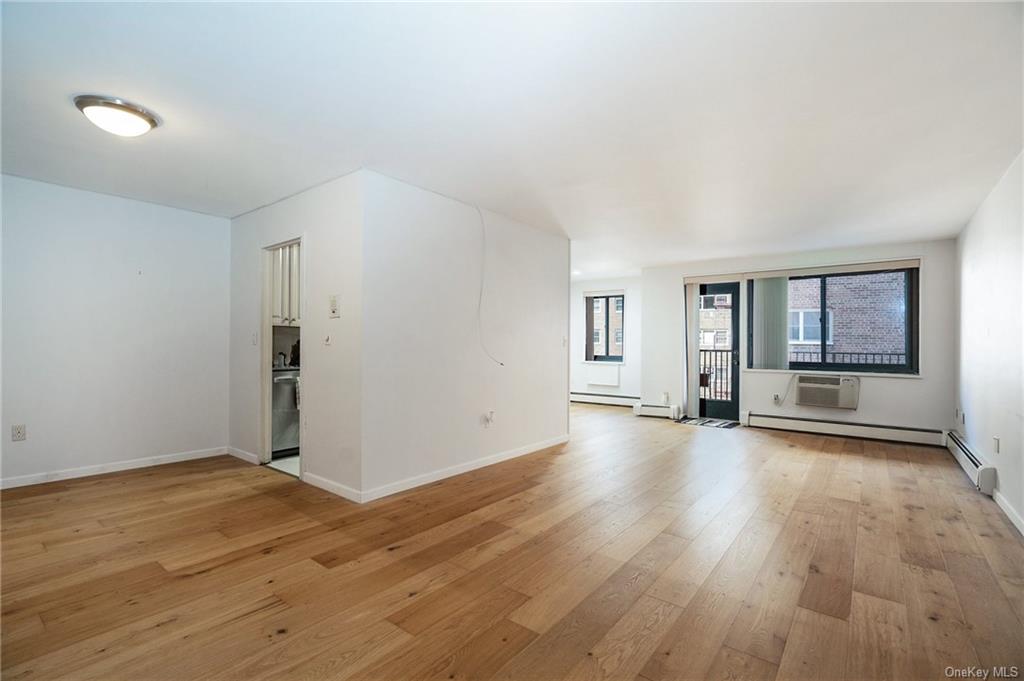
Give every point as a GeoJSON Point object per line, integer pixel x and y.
{"type": "Point", "coordinates": [716, 375]}
{"type": "Point", "coordinates": [894, 358]}
{"type": "Point", "coordinates": [716, 367]}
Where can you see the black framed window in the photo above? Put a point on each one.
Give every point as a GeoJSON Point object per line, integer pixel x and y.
{"type": "Point", "coordinates": [606, 317]}
{"type": "Point", "coordinates": [859, 321]}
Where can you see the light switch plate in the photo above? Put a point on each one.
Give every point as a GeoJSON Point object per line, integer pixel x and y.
{"type": "Point", "coordinates": [332, 307]}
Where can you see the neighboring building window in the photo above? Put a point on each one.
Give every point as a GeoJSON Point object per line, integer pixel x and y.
{"type": "Point", "coordinates": [805, 326]}
{"type": "Point", "coordinates": [717, 301]}
{"type": "Point", "coordinates": [605, 315]}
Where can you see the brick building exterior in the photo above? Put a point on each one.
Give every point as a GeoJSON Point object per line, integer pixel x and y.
{"type": "Point", "coordinates": [867, 317]}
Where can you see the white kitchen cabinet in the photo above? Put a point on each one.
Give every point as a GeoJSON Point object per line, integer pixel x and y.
{"type": "Point", "coordinates": [294, 286]}
{"type": "Point", "coordinates": [286, 278]}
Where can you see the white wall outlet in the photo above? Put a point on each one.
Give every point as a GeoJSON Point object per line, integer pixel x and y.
{"type": "Point", "coordinates": [332, 307]}
{"type": "Point", "coordinates": [995, 443]}
{"type": "Point", "coordinates": [776, 398]}
{"type": "Point", "coordinates": [488, 419]}
{"type": "Point", "coordinates": [18, 433]}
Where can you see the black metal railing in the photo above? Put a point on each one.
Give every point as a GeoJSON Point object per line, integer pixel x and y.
{"type": "Point", "coordinates": [716, 375]}
{"type": "Point", "coordinates": [895, 358]}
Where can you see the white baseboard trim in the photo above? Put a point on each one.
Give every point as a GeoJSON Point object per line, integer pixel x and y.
{"type": "Point", "coordinates": [870, 431]}
{"type": "Point", "coordinates": [112, 467]}
{"type": "Point", "coordinates": [600, 398]}
{"type": "Point", "coordinates": [333, 487]}
{"type": "Point", "coordinates": [248, 457]}
{"type": "Point", "coordinates": [433, 476]}
{"type": "Point", "coordinates": [1010, 511]}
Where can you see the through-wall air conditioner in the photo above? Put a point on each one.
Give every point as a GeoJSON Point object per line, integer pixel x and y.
{"type": "Point", "coordinates": [839, 392]}
{"type": "Point", "coordinates": [981, 474]}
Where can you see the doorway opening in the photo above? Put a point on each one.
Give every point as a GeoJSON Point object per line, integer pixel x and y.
{"type": "Point", "coordinates": [718, 332]}
{"type": "Point", "coordinates": [282, 358]}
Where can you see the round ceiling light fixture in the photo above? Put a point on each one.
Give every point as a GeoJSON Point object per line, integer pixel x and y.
{"type": "Point", "coordinates": [117, 116]}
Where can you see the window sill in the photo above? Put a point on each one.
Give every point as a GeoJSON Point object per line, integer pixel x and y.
{"type": "Point", "coordinates": [871, 374]}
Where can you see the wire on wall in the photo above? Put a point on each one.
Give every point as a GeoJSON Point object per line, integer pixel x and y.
{"type": "Point", "coordinates": [480, 296]}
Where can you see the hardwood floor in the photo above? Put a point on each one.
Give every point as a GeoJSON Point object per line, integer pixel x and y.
{"type": "Point", "coordinates": [642, 550]}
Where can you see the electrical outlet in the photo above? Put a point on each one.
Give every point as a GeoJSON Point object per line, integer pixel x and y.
{"type": "Point", "coordinates": [488, 419]}
{"type": "Point", "coordinates": [995, 441]}
{"type": "Point", "coordinates": [18, 433]}
{"type": "Point", "coordinates": [776, 398]}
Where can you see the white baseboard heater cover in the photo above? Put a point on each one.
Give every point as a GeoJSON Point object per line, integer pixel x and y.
{"type": "Point", "coordinates": [981, 474]}
{"type": "Point", "coordinates": [922, 436]}
{"type": "Point", "coordinates": [667, 411]}
{"type": "Point", "coordinates": [604, 398]}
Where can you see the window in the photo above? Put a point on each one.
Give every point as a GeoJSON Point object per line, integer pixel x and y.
{"type": "Point", "coordinates": [805, 327]}
{"type": "Point", "coordinates": [605, 316]}
{"type": "Point", "coordinates": [870, 322]}
{"type": "Point", "coordinates": [717, 301]}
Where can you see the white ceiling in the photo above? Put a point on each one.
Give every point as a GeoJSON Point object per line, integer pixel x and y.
{"type": "Point", "coordinates": [647, 133]}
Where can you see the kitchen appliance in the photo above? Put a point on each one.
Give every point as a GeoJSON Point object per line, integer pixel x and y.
{"type": "Point", "coordinates": [286, 398]}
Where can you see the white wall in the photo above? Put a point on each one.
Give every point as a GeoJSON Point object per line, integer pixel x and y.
{"type": "Point", "coordinates": [924, 401]}
{"type": "Point", "coordinates": [630, 374]}
{"type": "Point", "coordinates": [990, 254]}
{"type": "Point", "coordinates": [115, 314]}
{"type": "Point", "coordinates": [426, 380]}
{"type": "Point", "coordinates": [397, 398]}
{"type": "Point", "coordinates": [329, 220]}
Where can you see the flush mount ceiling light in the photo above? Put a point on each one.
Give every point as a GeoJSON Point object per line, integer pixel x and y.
{"type": "Point", "coordinates": [117, 116]}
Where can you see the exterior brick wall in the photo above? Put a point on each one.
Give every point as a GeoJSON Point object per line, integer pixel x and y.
{"type": "Point", "coordinates": [868, 313]}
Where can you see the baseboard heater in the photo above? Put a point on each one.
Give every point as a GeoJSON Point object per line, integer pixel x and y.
{"type": "Point", "coordinates": [922, 436]}
{"type": "Point", "coordinates": [665, 411]}
{"type": "Point", "coordinates": [604, 398]}
{"type": "Point", "coordinates": [981, 474]}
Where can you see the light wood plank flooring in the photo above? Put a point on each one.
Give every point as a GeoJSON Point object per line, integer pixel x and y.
{"type": "Point", "coordinates": [643, 549]}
